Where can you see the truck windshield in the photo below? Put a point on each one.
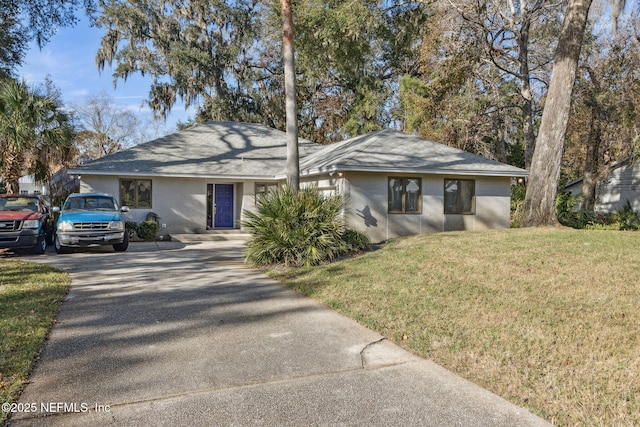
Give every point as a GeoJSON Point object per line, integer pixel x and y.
{"type": "Point", "coordinates": [90, 203]}
{"type": "Point", "coordinates": [19, 204]}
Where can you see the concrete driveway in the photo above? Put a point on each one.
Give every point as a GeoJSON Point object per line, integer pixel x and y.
{"type": "Point", "coordinates": [183, 334]}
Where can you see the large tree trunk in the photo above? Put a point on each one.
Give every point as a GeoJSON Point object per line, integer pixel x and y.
{"type": "Point", "coordinates": [293, 160]}
{"type": "Point", "coordinates": [542, 187]}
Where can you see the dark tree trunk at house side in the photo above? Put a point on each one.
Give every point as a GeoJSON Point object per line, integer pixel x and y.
{"type": "Point", "coordinates": [542, 187]}
{"type": "Point", "coordinates": [528, 130]}
{"type": "Point", "coordinates": [590, 176]}
{"type": "Point", "coordinates": [293, 161]}
{"type": "Point", "coordinates": [591, 162]}
{"type": "Point", "coordinates": [525, 92]}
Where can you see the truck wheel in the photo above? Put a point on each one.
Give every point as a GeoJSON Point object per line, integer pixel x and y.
{"type": "Point", "coordinates": [121, 247]}
{"type": "Point", "coordinates": [40, 247]}
{"type": "Point", "coordinates": [59, 248]}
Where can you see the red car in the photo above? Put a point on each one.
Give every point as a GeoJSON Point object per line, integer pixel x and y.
{"type": "Point", "coordinates": [25, 222]}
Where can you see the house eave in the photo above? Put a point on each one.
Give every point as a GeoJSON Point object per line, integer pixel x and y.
{"type": "Point", "coordinates": [335, 169]}
{"type": "Point", "coordinates": [172, 175]}
{"type": "Point", "coordinates": [574, 182]}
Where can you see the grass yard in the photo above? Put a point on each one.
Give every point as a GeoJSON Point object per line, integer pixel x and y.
{"type": "Point", "coordinates": [549, 319]}
{"type": "Point", "coordinates": [30, 296]}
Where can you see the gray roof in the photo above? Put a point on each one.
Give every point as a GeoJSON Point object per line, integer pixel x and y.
{"type": "Point", "coordinates": [212, 149]}
{"type": "Point", "coordinates": [242, 150]}
{"type": "Point", "coordinates": [393, 151]}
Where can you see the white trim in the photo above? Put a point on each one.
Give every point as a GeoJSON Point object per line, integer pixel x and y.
{"type": "Point", "coordinates": [503, 173]}
{"type": "Point", "coordinates": [173, 175]}
{"type": "Point", "coordinates": [308, 172]}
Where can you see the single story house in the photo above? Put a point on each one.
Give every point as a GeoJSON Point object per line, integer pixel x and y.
{"type": "Point", "coordinates": [395, 184]}
{"type": "Point", "coordinates": [622, 184]}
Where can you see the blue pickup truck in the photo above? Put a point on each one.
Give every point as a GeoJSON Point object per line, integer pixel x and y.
{"type": "Point", "coordinates": [90, 219]}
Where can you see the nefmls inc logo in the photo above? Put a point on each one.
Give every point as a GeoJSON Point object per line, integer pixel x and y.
{"type": "Point", "coordinates": [64, 407]}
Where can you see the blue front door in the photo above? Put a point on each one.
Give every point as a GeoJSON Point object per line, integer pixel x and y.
{"type": "Point", "coordinates": [224, 205]}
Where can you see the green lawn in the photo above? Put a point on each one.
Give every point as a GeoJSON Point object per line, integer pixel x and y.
{"type": "Point", "coordinates": [546, 318]}
{"type": "Point", "coordinates": [30, 296]}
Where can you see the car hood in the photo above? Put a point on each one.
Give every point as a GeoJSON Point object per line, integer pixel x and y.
{"type": "Point", "coordinates": [22, 216]}
{"type": "Point", "coordinates": [90, 216]}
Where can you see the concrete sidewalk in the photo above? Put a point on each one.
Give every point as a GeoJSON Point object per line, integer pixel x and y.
{"type": "Point", "coordinates": [177, 333]}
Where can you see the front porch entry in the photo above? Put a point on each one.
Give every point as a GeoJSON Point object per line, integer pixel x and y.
{"type": "Point", "coordinates": [220, 206]}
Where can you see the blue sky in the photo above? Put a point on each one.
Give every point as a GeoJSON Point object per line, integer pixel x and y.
{"type": "Point", "coordinates": [69, 60]}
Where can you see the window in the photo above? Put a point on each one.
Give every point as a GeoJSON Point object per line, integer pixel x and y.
{"type": "Point", "coordinates": [405, 195]}
{"type": "Point", "coordinates": [135, 193]}
{"type": "Point", "coordinates": [459, 196]}
{"type": "Point", "coordinates": [90, 203]}
{"type": "Point", "coordinates": [263, 188]}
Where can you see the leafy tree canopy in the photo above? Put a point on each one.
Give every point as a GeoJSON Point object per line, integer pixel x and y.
{"type": "Point", "coordinates": [35, 133]}
{"type": "Point", "coordinates": [225, 57]}
{"type": "Point", "coordinates": [482, 75]}
{"type": "Point", "coordinates": [22, 21]}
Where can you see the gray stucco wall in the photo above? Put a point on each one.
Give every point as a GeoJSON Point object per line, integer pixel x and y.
{"type": "Point", "coordinates": [181, 203]}
{"type": "Point", "coordinates": [368, 198]}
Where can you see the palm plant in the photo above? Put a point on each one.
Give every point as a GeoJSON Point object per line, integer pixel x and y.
{"type": "Point", "coordinates": [299, 228]}
{"type": "Point", "coordinates": [34, 133]}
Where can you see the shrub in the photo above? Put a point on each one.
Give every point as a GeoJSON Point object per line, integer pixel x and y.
{"type": "Point", "coordinates": [518, 193]}
{"type": "Point", "coordinates": [565, 207]}
{"type": "Point", "coordinates": [131, 227]}
{"type": "Point", "coordinates": [567, 213]}
{"type": "Point", "coordinates": [356, 241]}
{"type": "Point", "coordinates": [148, 230]}
{"type": "Point", "coordinates": [298, 228]}
{"type": "Point", "coordinates": [626, 218]}
{"type": "Point", "coordinates": [602, 226]}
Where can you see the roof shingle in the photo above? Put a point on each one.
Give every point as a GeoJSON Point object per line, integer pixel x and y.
{"type": "Point", "coordinates": [242, 150]}
{"type": "Point", "coordinates": [209, 149]}
{"type": "Point", "coordinates": [393, 151]}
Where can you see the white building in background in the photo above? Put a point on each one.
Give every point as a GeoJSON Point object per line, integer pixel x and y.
{"type": "Point", "coordinates": [620, 186]}
{"type": "Point", "coordinates": [28, 185]}
{"type": "Point", "coordinates": [62, 184]}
